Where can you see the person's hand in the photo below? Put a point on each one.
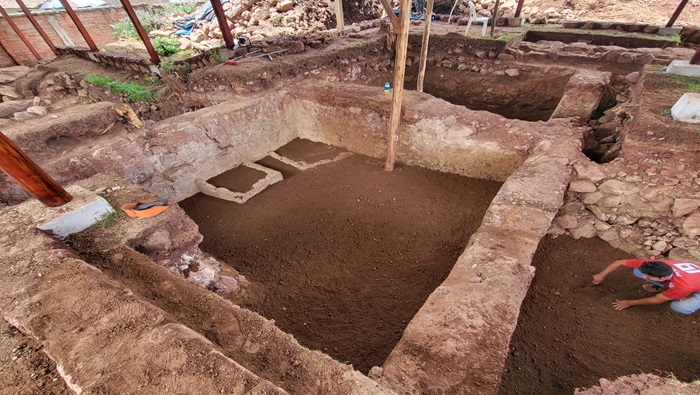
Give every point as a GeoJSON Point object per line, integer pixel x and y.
{"type": "Point", "coordinates": [621, 304]}
{"type": "Point", "coordinates": [597, 279]}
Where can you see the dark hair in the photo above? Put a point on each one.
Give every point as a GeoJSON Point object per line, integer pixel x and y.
{"type": "Point", "coordinates": [656, 269]}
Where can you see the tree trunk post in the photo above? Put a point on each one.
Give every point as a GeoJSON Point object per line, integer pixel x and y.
{"type": "Point", "coordinates": [399, 74]}
{"type": "Point", "coordinates": [424, 48]}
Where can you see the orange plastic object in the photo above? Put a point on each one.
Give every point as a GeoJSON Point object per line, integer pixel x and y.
{"type": "Point", "coordinates": [128, 208]}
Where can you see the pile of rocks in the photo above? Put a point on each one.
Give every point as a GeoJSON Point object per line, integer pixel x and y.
{"type": "Point", "coordinates": [258, 20]}
{"type": "Point", "coordinates": [643, 210]}
{"type": "Point", "coordinates": [530, 14]}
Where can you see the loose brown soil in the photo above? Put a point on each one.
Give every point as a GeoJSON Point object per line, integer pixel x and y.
{"type": "Point", "coordinates": [343, 255]}
{"type": "Point", "coordinates": [24, 368]}
{"type": "Point", "coordinates": [569, 335]}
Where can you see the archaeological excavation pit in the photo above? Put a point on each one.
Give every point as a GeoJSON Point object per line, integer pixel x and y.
{"type": "Point", "coordinates": [529, 96]}
{"type": "Point", "coordinates": [585, 339]}
{"type": "Point", "coordinates": [344, 254]}
{"type": "Point", "coordinates": [437, 273]}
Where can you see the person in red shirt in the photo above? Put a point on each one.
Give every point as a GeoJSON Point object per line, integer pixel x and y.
{"type": "Point", "coordinates": [677, 282]}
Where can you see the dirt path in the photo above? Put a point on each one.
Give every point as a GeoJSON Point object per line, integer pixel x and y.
{"type": "Point", "coordinates": [343, 255]}
{"type": "Point", "coordinates": [569, 335]}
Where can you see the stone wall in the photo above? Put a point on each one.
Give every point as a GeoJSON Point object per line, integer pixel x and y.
{"type": "Point", "coordinates": [642, 211]}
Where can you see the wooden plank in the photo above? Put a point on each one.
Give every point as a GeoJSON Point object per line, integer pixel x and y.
{"type": "Point", "coordinates": [79, 25]}
{"type": "Point", "coordinates": [126, 4]}
{"type": "Point", "coordinates": [32, 178]}
{"type": "Point", "coordinates": [36, 25]}
{"type": "Point", "coordinates": [424, 48]}
{"type": "Point", "coordinates": [399, 74]}
{"type": "Point", "coordinates": [20, 34]}
{"type": "Point", "coordinates": [677, 13]}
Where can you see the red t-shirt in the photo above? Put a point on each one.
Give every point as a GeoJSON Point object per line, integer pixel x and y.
{"type": "Point", "coordinates": [685, 279]}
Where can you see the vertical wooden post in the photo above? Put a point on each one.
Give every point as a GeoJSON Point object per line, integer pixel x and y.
{"type": "Point", "coordinates": [399, 74]}
{"type": "Point", "coordinates": [493, 18]}
{"type": "Point", "coordinates": [223, 23]}
{"type": "Point", "coordinates": [339, 18]}
{"type": "Point", "coordinates": [36, 25]}
{"type": "Point", "coordinates": [20, 34]}
{"type": "Point", "coordinates": [677, 13]}
{"type": "Point", "coordinates": [141, 31]}
{"type": "Point", "coordinates": [424, 48]}
{"type": "Point", "coordinates": [79, 25]}
{"type": "Point", "coordinates": [17, 165]}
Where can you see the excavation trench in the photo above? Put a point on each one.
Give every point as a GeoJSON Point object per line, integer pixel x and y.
{"type": "Point", "coordinates": [370, 266]}
{"type": "Point", "coordinates": [343, 255]}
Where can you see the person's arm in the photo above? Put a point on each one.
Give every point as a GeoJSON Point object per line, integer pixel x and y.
{"type": "Point", "coordinates": [598, 278]}
{"type": "Point", "coordinates": [656, 299]}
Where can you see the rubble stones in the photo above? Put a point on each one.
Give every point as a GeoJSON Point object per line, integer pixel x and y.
{"type": "Point", "coordinates": [683, 207]}
{"type": "Point", "coordinates": [691, 226]}
{"type": "Point", "coordinates": [8, 108]}
{"type": "Point", "coordinates": [582, 186]}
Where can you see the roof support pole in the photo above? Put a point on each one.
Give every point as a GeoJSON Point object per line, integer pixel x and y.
{"type": "Point", "coordinates": [519, 8]}
{"type": "Point", "coordinates": [399, 74]}
{"type": "Point", "coordinates": [36, 25]}
{"type": "Point", "coordinates": [141, 31]}
{"type": "Point", "coordinates": [20, 34]}
{"type": "Point", "coordinates": [677, 13]}
{"type": "Point", "coordinates": [79, 25]}
{"type": "Point", "coordinates": [32, 178]}
{"type": "Point", "coordinates": [223, 23]}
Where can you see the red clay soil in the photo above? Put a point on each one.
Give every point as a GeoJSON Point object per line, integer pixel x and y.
{"type": "Point", "coordinates": [570, 336]}
{"type": "Point", "coordinates": [343, 255]}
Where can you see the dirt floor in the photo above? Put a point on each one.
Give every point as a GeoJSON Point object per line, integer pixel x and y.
{"type": "Point", "coordinates": [587, 338]}
{"type": "Point", "coordinates": [24, 369]}
{"type": "Point", "coordinates": [343, 255]}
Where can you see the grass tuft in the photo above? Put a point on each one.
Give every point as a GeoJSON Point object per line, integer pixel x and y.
{"type": "Point", "coordinates": [132, 90]}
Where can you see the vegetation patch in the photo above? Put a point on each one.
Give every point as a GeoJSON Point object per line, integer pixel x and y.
{"type": "Point", "coordinates": [125, 29]}
{"type": "Point", "coordinates": [166, 46]}
{"type": "Point", "coordinates": [132, 90]}
{"type": "Point", "coordinates": [691, 84]}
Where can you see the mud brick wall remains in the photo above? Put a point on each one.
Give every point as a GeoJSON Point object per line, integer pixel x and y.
{"type": "Point", "coordinates": [97, 22]}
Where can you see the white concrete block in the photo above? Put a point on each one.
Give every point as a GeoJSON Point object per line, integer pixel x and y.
{"type": "Point", "coordinates": [687, 108]}
{"type": "Point", "coordinates": [683, 67]}
{"type": "Point", "coordinates": [85, 210]}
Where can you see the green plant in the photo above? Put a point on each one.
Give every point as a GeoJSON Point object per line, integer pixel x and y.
{"type": "Point", "coordinates": [124, 28]}
{"type": "Point", "coordinates": [216, 57]}
{"type": "Point", "coordinates": [170, 65]}
{"type": "Point", "coordinates": [182, 7]}
{"type": "Point", "coordinates": [277, 22]}
{"type": "Point", "coordinates": [108, 221]}
{"type": "Point", "coordinates": [506, 38]}
{"type": "Point", "coordinates": [132, 90]}
{"type": "Point", "coordinates": [692, 84]}
{"type": "Point", "coordinates": [166, 46]}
